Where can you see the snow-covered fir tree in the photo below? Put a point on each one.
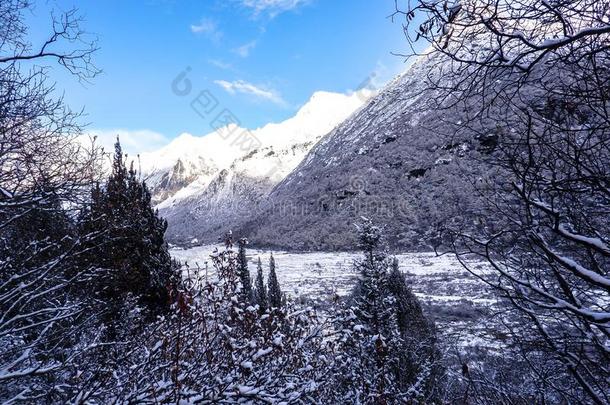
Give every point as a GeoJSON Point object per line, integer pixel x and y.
{"type": "Point", "coordinates": [374, 364]}
{"type": "Point", "coordinates": [273, 286]}
{"type": "Point", "coordinates": [375, 308]}
{"type": "Point", "coordinates": [260, 290]}
{"type": "Point", "coordinates": [244, 273]}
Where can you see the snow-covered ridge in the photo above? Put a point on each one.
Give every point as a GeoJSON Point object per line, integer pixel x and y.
{"type": "Point", "coordinates": [186, 166]}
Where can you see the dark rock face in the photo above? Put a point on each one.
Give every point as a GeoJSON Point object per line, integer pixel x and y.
{"type": "Point", "coordinates": [172, 181]}
{"type": "Point", "coordinates": [166, 183]}
{"type": "Point", "coordinates": [417, 173]}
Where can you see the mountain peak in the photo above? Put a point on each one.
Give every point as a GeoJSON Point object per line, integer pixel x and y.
{"type": "Point", "coordinates": [321, 101]}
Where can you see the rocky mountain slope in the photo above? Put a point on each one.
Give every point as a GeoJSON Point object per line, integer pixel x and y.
{"type": "Point", "coordinates": [399, 161]}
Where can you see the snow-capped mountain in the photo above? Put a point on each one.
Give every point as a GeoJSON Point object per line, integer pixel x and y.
{"type": "Point", "coordinates": [394, 157]}
{"type": "Point", "coordinates": [186, 160]}
{"type": "Point", "coordinates": [205, 184]}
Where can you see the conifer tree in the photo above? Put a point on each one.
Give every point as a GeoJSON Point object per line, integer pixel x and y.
{"type": "Point", "coordinates": [375, 305]}
{"type": "Point", "coordinates": [243, 272]}
{"type": "Point", "coordinates": [129, 252]}
{"type": "Point", "coordinates": [419, 353]}
{"type": "Point", "coordinates": [381, 337]}
{"type": "Point", "coordinates": [410, 317]}
{"type": "Point", "coordinates": [274, 291]}
{"type": "Point", "coordinates": [376, 310]}
{"type": "Point", "coordinates": [260, 289]}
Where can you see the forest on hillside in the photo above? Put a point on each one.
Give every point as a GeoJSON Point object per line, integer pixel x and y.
{"type": "Point", "coordinates": [94, 309]}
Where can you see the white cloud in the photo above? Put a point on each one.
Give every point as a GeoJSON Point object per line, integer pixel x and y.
{"type": "Point", "coordinates": [244, 50]}
{"type": "Point", "coordinates": [132, 142]}
{"type": "Point", "coordinates": [243, 87]}
{"type": "Point", "coordinates": [207, 27]}
{"type": "Point", "coordinates": [221, 64]}
{"type": "Point", "coordinates": [273, 7]}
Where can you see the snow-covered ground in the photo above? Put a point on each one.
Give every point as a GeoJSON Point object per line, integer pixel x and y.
{"type": "Point", "coordinates": [321, 274]}
{"type": "Point", "coordinates": [460, 303]}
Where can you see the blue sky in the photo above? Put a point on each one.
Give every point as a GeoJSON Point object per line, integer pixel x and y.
{"type": "Point", "coordinates": [261, 59]}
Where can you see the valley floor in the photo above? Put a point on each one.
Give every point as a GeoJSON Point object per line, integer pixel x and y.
{"type": "Point", "coordinates": [462, 306]}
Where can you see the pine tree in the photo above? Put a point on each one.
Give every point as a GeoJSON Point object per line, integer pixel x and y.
{"type": "Point", "coordinates": [260, 289]}
{"type": "Point", "coordinates": [244, 273]}
{"type": "Point", "coordinates": [273, 286]}
{"type": "Point", "coordinates": [373, 300]}
{"type": "Point", "coordinates": [379, 330]}
{"type": "Point", "coordinates": [375, 308]}
{"type": "Point", "coordinates": [410, 316]}
{"type": "Point", "coordinates": [129, 251]}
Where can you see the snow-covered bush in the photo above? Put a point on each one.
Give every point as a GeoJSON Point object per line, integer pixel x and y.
{"type": "Point", "coordinates": [216, 347]}
{"type": "Point", "coordinates": [43, 173]}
